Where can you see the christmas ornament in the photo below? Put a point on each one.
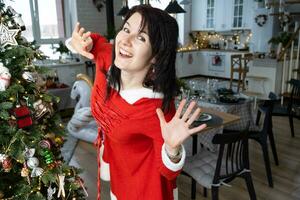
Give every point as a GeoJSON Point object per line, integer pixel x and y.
{"type": "Point", "coordinates": [50, 192]}
{"type": "Point", "coordinates": [7, 36]}
{"type": "Point", "coordinates": [41, 108]}
{"type": "Point", "coordinates": [45, 144]}
{"type": "Point", "coordinates": [61, 183]}
{"type": "Point", "coordinates": [23, 116]}
{"type": "Point", "coordinates": [1, 194]}
{"type": "Point", "coordinates": [48, 156]}
{"type": "Point", "coordinates": [7, 164]}
{"type": "Point", "coordinates": [4, 77]}
{"type": "Point", "coordinates": [33, 162]}
{"type": "Point", "coordinates": [24, 172]}
{"type": "Point", "coordinates": [59, 140]}
{"type": "Point", "coordinates": [28, 77]}
{"type": "Point", "coordinates": [17, 18]}
{"type": "Point", "coordinates": [81, 183]}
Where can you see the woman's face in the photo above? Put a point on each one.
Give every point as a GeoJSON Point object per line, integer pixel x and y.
{"type": "Point", "coordinates": [133, 49]}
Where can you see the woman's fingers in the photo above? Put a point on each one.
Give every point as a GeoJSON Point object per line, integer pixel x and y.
{"type": "Point", "coordinates": [161, 116]}
{"type": "Point", "coordinates": [194, 116]}
{"type": "Point", "coordinates": [180, 108]}
{"type": "Point", "coordinates": [76, 28]}
{"type": "Point", "coordinates": [197, 129]}
{"type": "Point", "coordinates": [81, 31]}
{"type": "Point", "coordinates": [86, 35]}
{"type": "Point", "coordinates": [188, 111]}
{"type": "Point", "coordinates": [87, 54]}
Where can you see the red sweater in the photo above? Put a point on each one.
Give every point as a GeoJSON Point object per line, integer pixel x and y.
{"type": "Point", "coordinates": [132, 137]}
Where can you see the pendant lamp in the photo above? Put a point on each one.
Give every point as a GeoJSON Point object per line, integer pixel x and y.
{"type": "Point", "coordinates": [174, 7]}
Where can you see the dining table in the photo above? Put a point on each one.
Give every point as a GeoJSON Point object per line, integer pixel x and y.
{"type": "Point", "coordinates": [214, 126]}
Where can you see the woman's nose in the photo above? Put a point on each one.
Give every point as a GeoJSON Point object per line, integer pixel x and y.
{"type": "Point", "coordinates": [127, 40]}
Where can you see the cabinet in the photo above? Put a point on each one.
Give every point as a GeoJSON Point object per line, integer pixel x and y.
{"type": "Point", "coordinates": [187, 64]}
{"type": "Point", "coordinates": [66, 71]}
{"type": "Point", "coordinates": [221, 15]}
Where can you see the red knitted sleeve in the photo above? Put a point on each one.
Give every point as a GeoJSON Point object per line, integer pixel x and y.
{"type": "Point", "coordinates": [102, 51]}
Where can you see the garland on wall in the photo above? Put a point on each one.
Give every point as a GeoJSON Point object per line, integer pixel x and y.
{"type": "Point", "coordinates": [260, 20]}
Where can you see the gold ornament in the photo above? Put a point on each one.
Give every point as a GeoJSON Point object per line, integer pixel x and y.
{"type": "Point", "coordinates": [59, 140]}
{"type": "Point", "coordinates": [24, 172]}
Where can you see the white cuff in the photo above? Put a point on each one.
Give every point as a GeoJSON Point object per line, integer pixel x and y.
{"type": "Point", "coordinates": [168, 163]}
{"type": "Point", "coordinates": [68, 45]}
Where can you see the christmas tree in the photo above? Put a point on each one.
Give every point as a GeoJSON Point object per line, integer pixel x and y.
{"type": "Point", "coordinates": [31, 132]}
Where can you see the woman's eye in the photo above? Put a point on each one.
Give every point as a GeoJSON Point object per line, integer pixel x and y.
{"type": "Point", "coordinates": [126, 30]}
{"type": "Point", "coordinates": [141, 38]}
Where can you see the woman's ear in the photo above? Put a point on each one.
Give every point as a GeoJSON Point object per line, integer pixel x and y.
{"type": "Point", "coordinates": [153, 61]}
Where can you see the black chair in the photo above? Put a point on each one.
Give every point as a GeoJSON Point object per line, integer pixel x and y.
{"type": "Point", "coordinates": [262, 137]}
{"type": "Point", "coordinates": [290, 109]}
{"type": "Point", "coordinates": [212, 170]}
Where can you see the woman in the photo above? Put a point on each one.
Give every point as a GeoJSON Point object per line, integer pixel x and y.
{"type": "Point", "coordinates": [133, 102]}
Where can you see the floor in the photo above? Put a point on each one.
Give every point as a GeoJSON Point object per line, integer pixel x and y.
{"type": "Point", "coordinates": [286, 176]}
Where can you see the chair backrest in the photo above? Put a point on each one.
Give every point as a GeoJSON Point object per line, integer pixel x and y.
{"type": "Point", "coordinates": [248, 57]}
{"type": "Point", "coordinates": [294, 101]}
{"type": "Point", "coordinates": [236, 61]}
{"type": "Point", "coordinates": [233, 158]}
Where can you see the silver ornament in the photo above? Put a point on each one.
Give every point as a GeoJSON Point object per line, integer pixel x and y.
{"type": "Point", "coordinates": [28, 77]}
{"type": "Point", "coordinates": [32, 162]}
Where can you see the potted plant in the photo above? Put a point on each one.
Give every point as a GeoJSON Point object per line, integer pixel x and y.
{"type": "Point", "coordinates": [63, 50]}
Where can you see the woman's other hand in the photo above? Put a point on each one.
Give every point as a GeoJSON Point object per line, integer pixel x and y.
{"type": "Point", "coordinates": [81, 41]}
{"type": "Point", "coordinates": [176, 131]}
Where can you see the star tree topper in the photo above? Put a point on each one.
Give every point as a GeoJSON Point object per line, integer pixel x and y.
{"type": "Point", "coordinates": [7, 36]}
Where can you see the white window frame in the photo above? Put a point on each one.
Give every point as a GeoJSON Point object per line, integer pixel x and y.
{"type": "Point", "coordinates": [36, 31]}
{"type": "Point", "coordinates": [237, 5]}
{"type": "Point", "coordinates": [210, 8]}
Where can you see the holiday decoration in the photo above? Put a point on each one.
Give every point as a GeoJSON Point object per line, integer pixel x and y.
{"type": "Point", "coordinates": [48, 157]}
{"type": "Point", "coordinates": [4, 77]}
{"type": "Point", "coordinates": [41, 108]}
{"type": "Point", "coordinates": [17, 18]}
{"type": "Point", "coordinates": [7, 36]}
{"type": "Point", "coordinates": [28, 77]}
{"type": "Point", "coordinates": [23, 116]}
{"type": "Point", "coordinates": [51, 191]}
{"type": "Point", "coordinates": [45, 144]}
{"type": "Point", "coordinates": [7, 164]}
{"type": "Point", "coordinates": [24, 172]}
{"type": "Point", "coordinates": [260, 20]}
{"type": "Point", "coordinates": [61, 189]}
{"type": "Point", "coordinates": [28, 122]}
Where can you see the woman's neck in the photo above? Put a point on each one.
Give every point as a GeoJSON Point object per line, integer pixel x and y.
{"type": "Point", "coordinates": [131, 81]}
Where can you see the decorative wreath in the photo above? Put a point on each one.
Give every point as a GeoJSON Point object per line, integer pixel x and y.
{"type": "Point", "coordinates": [260, 20]}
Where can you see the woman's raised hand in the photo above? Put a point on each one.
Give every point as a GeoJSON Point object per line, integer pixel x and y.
{"type": "Point", "coordinates": [81, 41]}
{"type": "Point", "coordinates": [176, 131]}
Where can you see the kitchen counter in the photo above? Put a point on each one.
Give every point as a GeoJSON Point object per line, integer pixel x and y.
{"type": "Point", "coordinates": [213, 50]}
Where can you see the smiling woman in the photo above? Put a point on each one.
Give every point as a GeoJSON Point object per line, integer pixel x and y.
{"type": "Point", "coordinates": [133, 102]}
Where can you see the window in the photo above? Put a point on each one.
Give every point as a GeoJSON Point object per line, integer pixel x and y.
{"type": "Point", "coordinates": [238, 13]}
{"type": "Point", "coordinates": [210, 13]}
{"type": "Point", "coordinates": [44, 22]}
